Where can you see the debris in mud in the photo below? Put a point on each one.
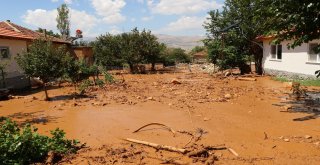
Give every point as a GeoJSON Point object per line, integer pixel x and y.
{"type": "Point", "coordinates": [175, 81]}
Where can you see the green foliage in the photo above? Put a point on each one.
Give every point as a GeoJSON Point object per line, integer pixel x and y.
{"type": "Point", "coordinates": [85, 84]}
{"type": "Point", "coordinates": [49, 33]}
{"type": "Point", "coordinates": [100, 83]}
{"type": "Point", "coordinates": [108, 77]}
{"type": "Point", "coordinates": [296, 20]}
{"type": "Point", "coordinates": [238, 25]}
{"type": "Point", "coordinates": [63, 22]}
{"type": "Point", "coordinates": [130, 48]}
{"type": "Point", "coordinates": [43, 60]}
{"type": "Point", "coordinates": [25, 146]}
{"type": "Point", "coordinates": [78, 71]}
{"type": "Point", "coordinates": [172, 56]}
{"type": "Point", "coordinates": [197, 49]}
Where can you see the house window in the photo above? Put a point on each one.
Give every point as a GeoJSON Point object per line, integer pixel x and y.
{"type": "Point", "coordinates": [313, 56]}
{"type": "Point", "coordinates": [276, 52]}
{"type": "Point", "coordinates": [4, 52]}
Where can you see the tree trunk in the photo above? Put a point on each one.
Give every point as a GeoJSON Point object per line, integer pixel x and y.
{"type": "Point", "coordinates": [131, 68]}
{"type": "Point", "coordinates": [46, 92]}
{"type": "Point", "coordinates": [3, 79]}
{"type": "Point", "coordinates": [153, 66]}
{"type": "Point", "coordinates": [258, 56]}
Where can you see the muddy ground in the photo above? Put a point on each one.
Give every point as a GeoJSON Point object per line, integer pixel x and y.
{"type": "Point", "coordinates": [254, 118]}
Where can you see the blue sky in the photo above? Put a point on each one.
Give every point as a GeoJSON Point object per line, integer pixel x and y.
{"type": "Point", "coordinates": [95, 17]}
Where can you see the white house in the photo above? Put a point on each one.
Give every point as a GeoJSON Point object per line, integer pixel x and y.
{"type": "Point", "coordinates": [300, 62]}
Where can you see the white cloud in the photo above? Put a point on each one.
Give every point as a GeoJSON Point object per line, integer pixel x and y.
{"type": "Point", "coordinates": [182, 7]}
{"type": "Point", "coordinates": [110, 10]}
{"type": "Point", "coordinates": [140, 1]}
{"type": "Point", "coordinates": [147, 18]}
{"type": "Point", "coordinates": [47, 19]}
{"type": "Point", "coordinates": [65, 1]}
{"type": "Point", "coordinates": [41, 18]}
{"type": "Point", "coordinates": [186, 24]}
{"type": "Point", "coordinates": [68, 1]}
{"type": "Point", "coordinates": [115, 30]}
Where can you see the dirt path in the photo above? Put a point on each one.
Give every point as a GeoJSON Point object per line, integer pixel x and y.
{"type": "Point", "coordinates": [240, 114]}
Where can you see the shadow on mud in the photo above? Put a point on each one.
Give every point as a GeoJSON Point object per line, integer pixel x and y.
{"type": "Point", "coordinates": [308, 104]}
{"type": "Point", "coordinates": [36, 117]}
{"type": "Point", "coordinates": [70, 97]}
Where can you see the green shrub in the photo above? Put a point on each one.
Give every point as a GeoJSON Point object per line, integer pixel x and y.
{"type": "Point", "coordinates": [108, 78]}
{"type": "Point", "coordinates": [25, 146]}
{"type": "Point", "coordinates": [100, 83]}
{"type": "Point", "coordinates": [85, 84]}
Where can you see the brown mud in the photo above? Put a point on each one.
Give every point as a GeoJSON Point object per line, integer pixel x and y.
{"type": "Point", "coordinates": [251, 117]}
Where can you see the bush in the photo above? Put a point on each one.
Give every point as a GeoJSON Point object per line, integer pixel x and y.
{"type": "Point", "coordinates": [108, 78]}
{"type": "Point", "coordinates": [27, 146]}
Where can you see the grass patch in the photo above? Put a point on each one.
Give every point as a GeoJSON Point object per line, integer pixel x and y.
{"type": "Point", "coordinates": [302, 82]}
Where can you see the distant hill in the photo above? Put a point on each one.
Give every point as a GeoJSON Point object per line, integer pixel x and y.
{"type": "Point", "coordinates": [184, 42]}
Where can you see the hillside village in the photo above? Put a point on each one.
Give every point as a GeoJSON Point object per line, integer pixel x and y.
{"type": "Point", "coordinates": [245, 90]}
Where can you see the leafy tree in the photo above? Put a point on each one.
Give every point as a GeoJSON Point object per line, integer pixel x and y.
{"type": "Point", "coordinates": [150, 48]}
{"type": "Point", "coordinates": [50, 32]}
{"type": "Point", "coordinates": [78, 71]}
{"type": "Point", "coordinates": [43, 60]}
{"type": "Point", "coordinates": [173, 56]}
{"type": "Point", "coordinates": [238, 25]}
{"type": "Point", "coordinates": [298, 21]}
{"type": "Point", "coordinates": [63, 22]}
{"type": "Point", "coordinates": [130, 48]}
{"type": "Point", "coordinates": [197, 49]}
{"type": "Point", "coordinates": [107, 50]}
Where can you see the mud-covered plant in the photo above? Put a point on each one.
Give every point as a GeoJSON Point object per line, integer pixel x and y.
{"type": "Point", "coordinates": [85, 84]}
{"type": "Point", "coordinates": [26, 146]}
{"type": "Point", "coordinates": [100, 83]}
{"type": "Point", "coordinates": [108, 77]}
{"type": "Point", "coordinates": [297, 91]}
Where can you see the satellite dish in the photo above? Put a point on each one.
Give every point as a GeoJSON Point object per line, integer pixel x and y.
{"type": "Point", "coordinates": [79, 33]}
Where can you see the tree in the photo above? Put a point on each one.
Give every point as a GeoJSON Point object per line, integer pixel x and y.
{"type": "Point", "coordinates": [49, 33]}
{"type": "Point", "coordinates": [172, 56]}
{"type": "Point", "coordinates": [63, 22]}
{"type": "Point", "coordinates": [298, 21]}
{"type": "Point", "coordinates": [238, 25]}
{"type": "Point", "coordinates": [78, 70]}
{"type": "Point", "coordinates": [130, 48]}
{"type": "Point", "coordinates": [43, 60]}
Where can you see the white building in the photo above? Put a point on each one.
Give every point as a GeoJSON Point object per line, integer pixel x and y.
{"type": "Point", "coordinates": [300, 62]}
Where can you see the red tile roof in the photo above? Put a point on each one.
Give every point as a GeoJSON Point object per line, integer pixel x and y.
{"type": "Point", "coordinates": [11, 30]}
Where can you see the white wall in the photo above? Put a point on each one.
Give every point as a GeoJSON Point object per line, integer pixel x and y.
{"type": "Point", "coordinates": [293, 60]}
{"type": "Point", "coordinates": [15, 47]}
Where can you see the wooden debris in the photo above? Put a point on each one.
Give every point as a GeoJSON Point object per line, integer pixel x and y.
{"type": "Point", "coordinates": [247, 79]}
{"type": "Point", "coordinates": [165, 126]}
{"type": "Point", "coordinates": [158, 146]}
{"type": "Point", "coordinates": [233, 152]}
{"type": "Point", "coordinates": [199, 153]}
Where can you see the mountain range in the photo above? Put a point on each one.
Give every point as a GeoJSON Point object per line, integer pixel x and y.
{"type": "Point", "coordinates": [184, 42]}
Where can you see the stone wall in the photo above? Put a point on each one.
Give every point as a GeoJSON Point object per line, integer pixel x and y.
{"type": "Point", "coordinates": [289, 75]}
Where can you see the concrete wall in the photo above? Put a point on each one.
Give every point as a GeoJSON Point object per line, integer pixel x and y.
{"type": "Point", "coordinates": [294, 61]}
{"type": "Point", "coordinates": [85, 53]}
{"type": "Point", "coordinates": [14, 75]}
